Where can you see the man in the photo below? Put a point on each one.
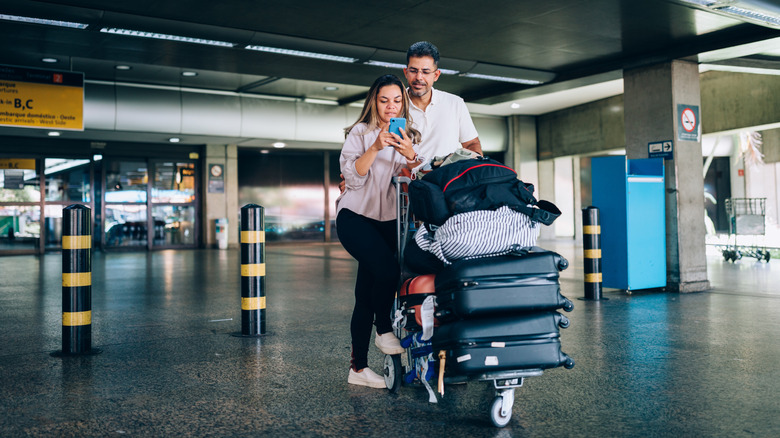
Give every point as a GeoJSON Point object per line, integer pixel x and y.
{"type": "Point", "coordinates": [441, 117]}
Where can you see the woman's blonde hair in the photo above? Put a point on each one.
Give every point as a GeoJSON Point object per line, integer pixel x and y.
{"type": "Point", "coordinates": [370, 114]}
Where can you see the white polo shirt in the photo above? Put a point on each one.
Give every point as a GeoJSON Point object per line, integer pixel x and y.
{"type": "Point", "coordinates": [444, 125]}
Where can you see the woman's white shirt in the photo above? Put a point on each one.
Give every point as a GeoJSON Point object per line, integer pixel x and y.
{"type": "Point", "coordinates": [373, 194]}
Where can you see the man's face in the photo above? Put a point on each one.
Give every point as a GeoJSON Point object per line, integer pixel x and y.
{"type": "Point", "coordinates": [421, 73]}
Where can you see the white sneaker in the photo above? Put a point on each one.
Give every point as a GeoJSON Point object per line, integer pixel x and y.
{"type": "Point", "coordinates": [388, 343]}
{"type": "Point", "coordinates": [366, 377]}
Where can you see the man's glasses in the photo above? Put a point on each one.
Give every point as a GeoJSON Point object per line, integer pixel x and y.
{"type": "Point", "coordinates": [425, 72]}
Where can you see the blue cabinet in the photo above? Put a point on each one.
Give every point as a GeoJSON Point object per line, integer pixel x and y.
{"type": "Point", "coordinates": [630, 197]}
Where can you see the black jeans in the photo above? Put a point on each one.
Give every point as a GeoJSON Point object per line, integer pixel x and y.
{"type": "Point", "coordinates": [373, 245]}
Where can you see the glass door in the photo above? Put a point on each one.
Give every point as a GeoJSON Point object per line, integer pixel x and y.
{"type": "Point", "coordinates": [20, 206]}
{"type": "Point", "coordinates": [125, 204]}
{"type": "Point", "coordinates": [68, 181]}
{"type": "Point", "coordinates": [173, 204]}
{"type": "Point", "coordinates": [150, 203]}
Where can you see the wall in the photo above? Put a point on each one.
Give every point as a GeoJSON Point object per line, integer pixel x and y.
{"type": "Point", "coordinates": [221, 205]}
{"type": "Point", "coordinates": [732, 101]}
{"type": "Point", "coordinates": [729, 102]}
{"type": "Point", "coordinates": [130, 108]}
{"type": "Point", "coordinates": [585, 129]}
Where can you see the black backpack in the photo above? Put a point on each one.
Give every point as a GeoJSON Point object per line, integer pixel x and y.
{"type": "Point", "coordinates": [476, 184]}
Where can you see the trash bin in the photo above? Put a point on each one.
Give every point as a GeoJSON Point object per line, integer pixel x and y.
{"type": "Point", "coordinates": [630, 195]}
{"type": "Point", "coordinates": [221, 232]}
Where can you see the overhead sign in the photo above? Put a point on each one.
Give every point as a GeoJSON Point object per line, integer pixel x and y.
{"type": "Point", "coordinates": [41, 98]}
{"type": "Point", "coordinates": [661, 149]}
{"type": "Point", "coordinates": [688, 122]}
{"type": "Point", "coordinates": [17, 163]}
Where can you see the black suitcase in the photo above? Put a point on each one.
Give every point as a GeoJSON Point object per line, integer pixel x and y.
{"type": "Point", "coordinates": [508, 343]}
{"type": "Point", "coordinates": [504, 284]}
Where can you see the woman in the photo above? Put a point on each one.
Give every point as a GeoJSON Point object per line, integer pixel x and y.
{"type": "Point", "coordinates": [365, 218]}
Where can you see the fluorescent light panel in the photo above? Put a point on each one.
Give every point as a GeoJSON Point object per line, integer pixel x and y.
{"type": "Point", "coordinates": [753, 15]}
{"type": "Point", "coordinates": [443, 71]}
{"type": "Point", "coordinates": [501, 79]}
{"type": "Point", "coordinates": [385, 64]}
{"type": "Point", "coordinates": [302, 54]}
{"type": "Point", "coordinates": [734, 9]}
{"type": "Point", "coordinates": [701, 2]}
{"type": "Point", "coordinates": [163, 36]}
{"type": "Point", "coordinates": [32, 20]}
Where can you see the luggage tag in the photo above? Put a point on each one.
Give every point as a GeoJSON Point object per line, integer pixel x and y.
{"type": "Point", "coordinates": [400, 319]}
{"type": "Point", "coordinates": [426, 314]}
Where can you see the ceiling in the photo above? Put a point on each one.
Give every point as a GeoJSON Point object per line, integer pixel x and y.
{"type": "Point", "coordinates": [577, 47]}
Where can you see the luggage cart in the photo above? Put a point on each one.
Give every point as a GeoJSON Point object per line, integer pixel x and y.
{"type": "Point", "coordinates": [746, 218]}
{"type": "Point", "coordinates": [404, 368]}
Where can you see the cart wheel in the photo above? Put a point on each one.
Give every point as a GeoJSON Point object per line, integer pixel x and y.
{"type": "Point", "coordinates": [726, 255]}
{"type": "Point", "coordinates": [393, 372]}
{"type": "Point", "coordinates": [496, 417]}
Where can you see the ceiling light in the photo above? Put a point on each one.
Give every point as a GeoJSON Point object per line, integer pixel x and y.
{"type": "Point", "coordinates": [330, 88]}
{"type": "Point", "coordinates": [752, 15]}
{"type": "Point", "coordinates": [279, 145]}
{"type": "Point", "coordinates": [501, 79]}
{"type": "Point", "coordinates": [33, 20]}
{"type": "Point", "coordinates": [264, 151]}
{"type": "Point", "coordinates": [753, 11]}
{"type": "Point", "coordinates": [122, 67]}
{"type": "Point", "coordinates": [515, 105]}
{"type": "Point", "coordinates": [700, 2]}
{"type": "Point", "coordinates": [97, 157]}
{"type": "Point", "coordinates": [163, 36]}
{"type": "Point", "coordinates": [189, 74]}
{"type": "Point", "coordinates": [443, 71]}
{"type": "Point", "coordinates": [385, 64]}
{"type": "Point", "coordinates": [50, 60]}
{"type": "Point", "coordinates": [320, 101]}
{"type": "Point", "coordinates": [54, 134]}
{"type": "Point", "coordinates": [302, 53]}
{"type": "Point", "coordinates": [174, 139]}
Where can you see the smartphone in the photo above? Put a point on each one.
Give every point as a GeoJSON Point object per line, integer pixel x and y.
{"type": "Point", "coordinates": [395, 124]}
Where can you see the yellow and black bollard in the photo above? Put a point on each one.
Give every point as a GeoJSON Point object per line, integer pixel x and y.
{"type": "Point", "coordinates": [77, 280]}
{"type": "Point", "coordinates": [591, 240]}
{"type": "Point", "coordinates": [252, 270]}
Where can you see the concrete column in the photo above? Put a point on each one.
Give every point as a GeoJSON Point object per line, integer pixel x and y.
{"type": "Point", "coordinates": [225, 204]}
{"type": "Point", "coordinates": [546, 190]}
{"type": "Point", "coordinates": [651, 96]}
{"type": "Point", "coordinates": [564, 196]}
{"type": "Point", "coordinates": [576, 166]}
{"type": "Point", "coordinates": [521, 154]}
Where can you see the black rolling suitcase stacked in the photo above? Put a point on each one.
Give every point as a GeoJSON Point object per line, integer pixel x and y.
{"type": "Point", "coordinates": [499, 314]}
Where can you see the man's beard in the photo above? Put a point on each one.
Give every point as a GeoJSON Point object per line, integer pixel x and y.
{"type": "Point", "coordinates": [416, 93]}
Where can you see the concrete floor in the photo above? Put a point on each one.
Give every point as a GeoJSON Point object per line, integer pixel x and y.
{"type": "Point", "coordinates": [647, 364]}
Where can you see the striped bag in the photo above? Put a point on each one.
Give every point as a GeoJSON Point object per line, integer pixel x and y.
{"type": "Point", "coordinates": [479, 233]}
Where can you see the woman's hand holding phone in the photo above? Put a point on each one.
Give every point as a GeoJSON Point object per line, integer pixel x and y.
{"type": "Point", "coordinates": [403, 145]}
{"type": "Point", "coordinates": [384, 139]}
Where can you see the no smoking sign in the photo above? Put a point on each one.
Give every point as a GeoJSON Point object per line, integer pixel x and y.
{"type": "Point", "coordinates": [687, 122]}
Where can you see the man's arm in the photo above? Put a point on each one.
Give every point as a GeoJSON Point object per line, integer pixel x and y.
{"type": "Point", "coordinates": [473, 145]}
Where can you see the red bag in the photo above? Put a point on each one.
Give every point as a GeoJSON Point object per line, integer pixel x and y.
{"type": "Point", "coordinates": [413, 293]}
